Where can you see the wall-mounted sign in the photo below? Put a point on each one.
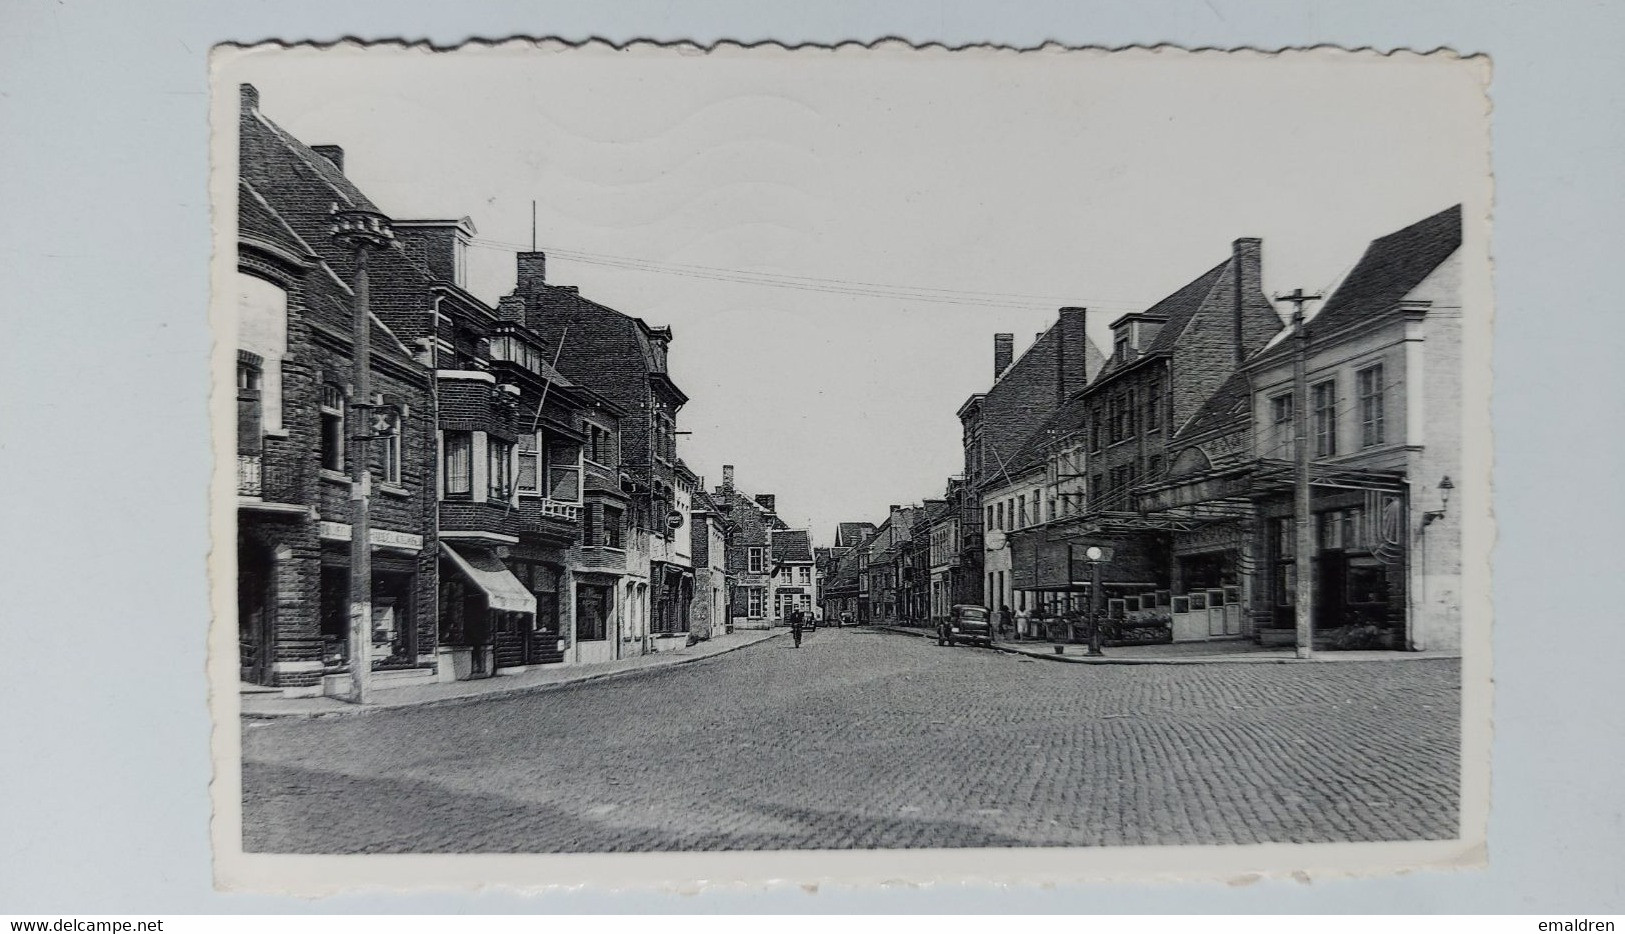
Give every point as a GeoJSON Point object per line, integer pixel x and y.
{"type": "Point", "coordinates": [381, 538]}
{"type": "Point", "coordinates": [675, 519]}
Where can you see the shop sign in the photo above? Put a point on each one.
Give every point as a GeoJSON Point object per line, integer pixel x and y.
{"type": "Point", "coordinates": [380, 538]}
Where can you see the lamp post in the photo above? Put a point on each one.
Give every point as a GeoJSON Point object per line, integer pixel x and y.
{"type": "Point", "coordinates": [360, 231]}
{"type": "Point", "coordinates": [1095, 556]}
{"type": "Point", "coordinates": [1434, 515]}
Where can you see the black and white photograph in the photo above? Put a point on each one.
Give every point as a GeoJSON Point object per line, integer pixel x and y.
{"type": "Point", "coordinates": [845, 463]}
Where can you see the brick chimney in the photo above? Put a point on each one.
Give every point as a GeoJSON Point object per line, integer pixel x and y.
{"type": "Point", "coordinates": [1071, 361]}
{"type": "Point", "coordinates": [333, 154]}
{"type": "Point", "coordinates": [727, 479]}
{"type": "Point", "coordinates": [511, 308]}
{"type": "Point", "coordinates": [1246, 266]}
{"type": "Point", "coordinates": [532, 271]}
{"type": "Point", "coordinates": [1004, 352]}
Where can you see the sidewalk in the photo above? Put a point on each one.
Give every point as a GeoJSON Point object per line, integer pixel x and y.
{"type": "Point", "coordinates": [1219, 651]}
{"type": "Point", "coordinates": [260, 706]}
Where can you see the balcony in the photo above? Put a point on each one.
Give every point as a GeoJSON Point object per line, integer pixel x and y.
{"type": "Point", "coordinates": [270, 483]}
{"type": "Point", "coordinates": [551, 519]}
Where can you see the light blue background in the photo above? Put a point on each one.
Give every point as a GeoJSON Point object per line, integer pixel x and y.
{"type": "Point", "coordinates": [104, 242]}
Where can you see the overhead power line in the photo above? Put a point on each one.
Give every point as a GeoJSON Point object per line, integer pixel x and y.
{"type": "Point", "coordinates": [982, 299]}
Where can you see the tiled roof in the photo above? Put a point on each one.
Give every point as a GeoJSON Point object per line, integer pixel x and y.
{"type": "Point", "coordinates": [791, 545]}
{"type": "Point", "coordinates": [1179, 308]}
{"type": "Point", "coordinates": [851, 534]}
{"type": "Point", "coordinates": [1226, 407]}
{"type": "Point", "coordinates": [1391, 268]}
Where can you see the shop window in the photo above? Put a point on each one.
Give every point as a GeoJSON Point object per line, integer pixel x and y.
{"type": "Point", "coordinates": [1324, 397]}
{"type": "Point", "coordinates": [1369, 383]}
{"type": "Point", "coordinates": [332, 409]}
{"type": "Point", "coordinates": [594, 604]}
{"type": "Point", "coordinates": [392, 631]}
{"type": "Point", "coordinates": [335, 616]}
{"type": "Point", "coordinates": [1367, 582]}
{"type": "Point", "coordinates": [458, 463]}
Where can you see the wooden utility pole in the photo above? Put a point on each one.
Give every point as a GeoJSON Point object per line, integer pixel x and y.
{"type": "Point", "coordinates": [1302, 514]}
{"type": "Point", "coordinates": [361, 231]}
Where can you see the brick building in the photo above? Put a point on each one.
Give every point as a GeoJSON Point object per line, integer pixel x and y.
{"type": "Point", "coordinates": [792, 577]}
{"type": "Point", "coordinates": [750, 551]}
{"type": "Point", "coordinates": [295, 400]}
{"type": "Point", "coordinates": [650, 584]}
{"type": "Point", "coordinates": [709, 532]}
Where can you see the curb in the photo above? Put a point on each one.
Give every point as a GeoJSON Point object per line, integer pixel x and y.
{"type": "Point", "coordinates": [1199, 660]}
{"type": "Point", "coordinates": [460, 700]}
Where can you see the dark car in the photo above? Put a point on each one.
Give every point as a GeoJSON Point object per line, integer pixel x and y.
{"type": "Point", "coordinates": [965, 624]}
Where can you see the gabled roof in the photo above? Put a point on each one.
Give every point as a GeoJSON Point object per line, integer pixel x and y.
{"type": "Point", "coordinates": [791, 545]}
{"type": "Point", "coordinates": [852, 534]}
{"type": "Point", "coordinates": [1041, 443]}
{"type": "Point", "coordinates": [1392, 267]}
{"type": "Point", "coordinates": [1178, 308]}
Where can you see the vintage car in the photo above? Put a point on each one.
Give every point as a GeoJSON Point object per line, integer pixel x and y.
{"type": "Point", "coordinates": [965, 623]}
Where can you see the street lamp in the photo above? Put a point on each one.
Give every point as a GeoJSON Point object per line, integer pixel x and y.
{"type": "Point", "coordinates": [360, 231]}
{"type": "Point", "coordinates": [1095, 555]}
{"type": "Point", "coordinates": [1434, 515]}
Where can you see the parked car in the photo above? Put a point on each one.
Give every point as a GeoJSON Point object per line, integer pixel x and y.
{"type": "Point", "coordinates": [965, 623]}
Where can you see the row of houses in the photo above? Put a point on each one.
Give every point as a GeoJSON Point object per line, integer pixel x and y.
{"type": "Point", "coordinates": [528, 507]}
{"type": "Point", "coordinates": [1174, 451]}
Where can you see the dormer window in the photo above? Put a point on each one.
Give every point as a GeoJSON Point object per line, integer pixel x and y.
{"type": "Point", "coordinates": [1122, 346]}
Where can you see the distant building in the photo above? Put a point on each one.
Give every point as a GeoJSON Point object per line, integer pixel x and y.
{"type": "Point", "coordinates": [713, 587]}
{"type": "Point", "coordinates": [792, 578]}
{"type": "Point", "coordinates": [750, 551]}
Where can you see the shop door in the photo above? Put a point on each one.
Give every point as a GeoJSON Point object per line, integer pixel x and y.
{"type": "Point", "coordinates": [254, 602]}
{"type": "Point", "coordinates": [1331, 583]}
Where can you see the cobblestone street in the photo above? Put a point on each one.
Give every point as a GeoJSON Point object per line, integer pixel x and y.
{"type": "Point", "coordinates": [870, 739]}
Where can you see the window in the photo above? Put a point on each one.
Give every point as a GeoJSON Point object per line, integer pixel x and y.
{"type": "Point", "coordinates": [1121, 415]}
{"type": "Point", "coordinates": [1094, 429]}
{"type": "Point", "coordinates": [1153, 406]}
{"type": "Point", "coordinates": [601, 446]}
{"type": "Point", "coordinates": [753, 560]}
{"type": "Point", "coordinates": [1369, 382]}
{"type": "Point", "coordinates": [594, 605]}
{"type": "Point", "coordinates": [1121, 347]}
{"type": "Point", "coordinates": [564, 472]}
{"type": "Point", "coordinates": [390, 457]}
{"type": "Point", "coordinates": [614, 520]}
{"type": "Point", "coordinates": [1324, 396]}
{"type": "Point", "coordinates": [457, 468]}
{"type": "Point", "coordinates": [990, 524]}
{"type": "Point", "coordinates": [332, 407]}
{"type": "Point", "coordinates": [1052, 508]}
{"type": "Point", "coordinates": [1097, 487]}
{"type": "Point", "coordinates": [753, 602]}
{"type": "Point", "coordinates": [250, 405]}
{"type": "Point", "coordinates": [528, 473]}
{"type": "Point", "coordinates": [499, 469]}
{"type": "Point", "coordinates": [999, 512]}
{"type": "Point", "coordinates": [1022, 501]}
{"type": "Point", "coordinates": [806, 575]}
{"type": "Point", "coordinates": [1010, 513]}
{"type": "Point", "coordinates": [262, 330]}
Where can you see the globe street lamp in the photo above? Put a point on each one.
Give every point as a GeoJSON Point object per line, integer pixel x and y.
{"type": "Point", "coordinates": [360, 231]}
{"type": "Point", "coordinates": [1095, 555]}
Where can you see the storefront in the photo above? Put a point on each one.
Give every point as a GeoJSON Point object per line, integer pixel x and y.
{"type": "Point", "coordinates": [486, 614]}
{"type": "Point", "coordinates": [1053, 579]}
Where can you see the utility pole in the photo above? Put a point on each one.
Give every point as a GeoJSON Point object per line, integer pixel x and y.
{"type": "Point", "coordinates": [361, 231]}
{"type": "Point", "coordinates": [1302, 516]}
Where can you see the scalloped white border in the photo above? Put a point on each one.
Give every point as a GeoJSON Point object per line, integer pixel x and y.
{"type": "Point", "coordinates": [317, 875]}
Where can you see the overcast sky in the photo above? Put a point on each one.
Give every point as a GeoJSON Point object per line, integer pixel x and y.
{"type": "Point", "coordinates": [1003, 185]}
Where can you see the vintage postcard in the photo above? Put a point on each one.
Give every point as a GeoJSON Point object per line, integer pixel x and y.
{"type": "Point", "coordinates": [665, 466]}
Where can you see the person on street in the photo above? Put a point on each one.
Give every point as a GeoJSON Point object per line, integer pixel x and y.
{"type": "Point", "coordinates": [797, 624]}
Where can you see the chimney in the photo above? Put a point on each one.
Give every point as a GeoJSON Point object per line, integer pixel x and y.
{"type": "Point", "coordinates": [333, 154]}
{"type": "Point", "coordinates": [511, 308]}
{"type": "Point", "coordinates": [728, 479]}
{"type": "Point", "coordinates": [532, 269]}
{"type": "Point", "coordinates": [1004, 351]}
{"type": "Point", "coordinates": [1071, 363]}
{"type": "Point", "coordinates": [1246, 265]}
{"type": "Point", "coordinates": [767, 501]}
{"type": "Point", "coordinates": [249, 97]}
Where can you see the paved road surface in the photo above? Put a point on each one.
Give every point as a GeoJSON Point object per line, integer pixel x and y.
{"type": "Point", "coordinates": [867, 739]}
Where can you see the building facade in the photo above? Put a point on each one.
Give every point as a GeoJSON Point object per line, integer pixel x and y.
{"type": "Point", "coordinates": [295, 407]}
